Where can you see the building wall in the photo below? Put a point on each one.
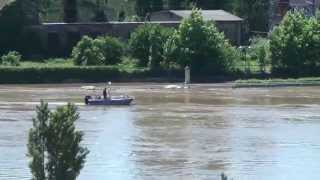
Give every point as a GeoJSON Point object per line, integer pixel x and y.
{"type": "Point", "coordinates": [57, 40]}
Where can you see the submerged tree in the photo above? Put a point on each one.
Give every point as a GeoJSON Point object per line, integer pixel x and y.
{"type": "Point", "coordinates": [54, 144]}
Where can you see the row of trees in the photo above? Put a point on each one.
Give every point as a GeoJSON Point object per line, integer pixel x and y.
{"type": "Point", "coordinates": [292, 48]}
{"type": "Point", "coordinates": [195, 43]}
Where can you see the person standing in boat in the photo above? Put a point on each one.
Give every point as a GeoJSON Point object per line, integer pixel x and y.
{"type": "Point", "coordinates": [105, 93]}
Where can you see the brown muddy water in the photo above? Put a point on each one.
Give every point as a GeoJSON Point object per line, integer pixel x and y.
{"type": "Point", "coordinates": [250, 134]}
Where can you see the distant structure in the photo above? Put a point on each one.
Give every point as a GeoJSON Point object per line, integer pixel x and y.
{"type": "Point", "coordinates": [225, 21]}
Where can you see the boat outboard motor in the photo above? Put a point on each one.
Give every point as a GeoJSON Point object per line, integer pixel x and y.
{"type": "Point", "coordinates": [86, 100]}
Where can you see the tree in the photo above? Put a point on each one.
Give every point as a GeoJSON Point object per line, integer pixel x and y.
{"type": "Point", "coordinates": [199, 44]}
{"type": "Point", "coordinates": [70, 11]}
{"type": "Point", "coordinates": [295, 45]}
{"type": "Point", "coordinates": [54, 144]}
{"type": "Point", "coordinates": [66, 156]}
{"type": "Point", "coordinates": [88, 51]}
{"type": "Point", "coordinates": [37, 140]}
{"type": "Point", "coordinates": [112, 49]}
{"type": "Point", "coordinates": [100, 51]}
{"type": "Point", "coordinates": [146, 44]}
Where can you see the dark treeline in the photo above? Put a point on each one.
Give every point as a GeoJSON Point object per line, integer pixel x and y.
{"type": "Point", "coordinates": [254, 12]}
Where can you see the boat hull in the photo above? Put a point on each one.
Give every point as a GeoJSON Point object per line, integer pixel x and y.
{"type": "Point", "coordinates": [108, 102]}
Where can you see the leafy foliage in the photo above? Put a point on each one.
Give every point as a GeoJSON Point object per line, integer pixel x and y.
{"type": "Point", "coordinates": [200, 45]}
{"type": "Point", "coordinates": [112, 49]}
{"type": "Point", "coordinates": [88, 51]}
{"type": "Point", "coordinates": [54, 144]}
{"type": "Point", "coordinates": [36, 145]}
{"type": "Point", "coordinates": [260, 52]}
{"type": "Point", "coordinates": [295, 45]}
{"type": "Point", "coordinates": [13, 58]}
{"type": "Point", "coordinates": [99, 51]}
{"type": "Point", "coordinates": [65, 155]}
{"type": "Point", "coordinates": [147, 42]}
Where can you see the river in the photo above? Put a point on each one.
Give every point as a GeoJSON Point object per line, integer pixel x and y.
{"type": "Point", "coordinates": [249, 134]}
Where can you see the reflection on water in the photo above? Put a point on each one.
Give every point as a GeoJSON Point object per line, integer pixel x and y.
{"type": "Point", "coordinates": [177, 134]}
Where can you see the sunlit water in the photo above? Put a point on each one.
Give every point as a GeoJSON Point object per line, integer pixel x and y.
{"type": "Point", "coordinates": [250, 134]}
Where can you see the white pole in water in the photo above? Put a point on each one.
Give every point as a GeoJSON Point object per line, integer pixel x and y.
{"type": "Point", "coordinates": [186, 76]}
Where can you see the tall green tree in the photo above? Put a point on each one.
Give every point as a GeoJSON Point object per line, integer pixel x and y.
{"type": "Point", "coordinates": [199, 44]}
{"type": "Point", "coordinates": [295, 45]}
{"type": "Point", "coordinates": [146, 44]}
{"type": "Point", "coordinates": [54, 144]}
{"type": "Point", "coordinates": [70, 11]}
{"type": "Point", "coordinates": [37, 140]}
{"type": "Point", "coordinates": [66, 156]}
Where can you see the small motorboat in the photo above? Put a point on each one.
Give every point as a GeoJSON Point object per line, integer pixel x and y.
{"type": "Point", "coordinates": [113, 100]}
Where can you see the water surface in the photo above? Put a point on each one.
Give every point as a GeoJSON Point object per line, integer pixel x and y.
{"type": "Point", "coordinates": [250, 134]}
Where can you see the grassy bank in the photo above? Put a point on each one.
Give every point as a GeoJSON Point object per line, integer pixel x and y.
{"type": "Point", "coordinates": [312, 81]}
{"type": "Point", "coordinates": [64, 71]}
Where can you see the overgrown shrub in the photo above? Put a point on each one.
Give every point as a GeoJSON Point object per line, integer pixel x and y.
{"type": "Point", "coordinates": [13, 58]}
{"type": "Point", "coordinates": [199, 44]}
{"type": "Point", "coordinates": [113, 50]}
{"type": "Point", "coordinates": [260, 52]}
{"type": "Point", "coordinates": [146, 44]}
{"type": "Point", "coordinates": [88, 51]}
{"type": "Point", "coordinates": [295, 45]}
{"type": "Point", "coordinates": [99, 51]}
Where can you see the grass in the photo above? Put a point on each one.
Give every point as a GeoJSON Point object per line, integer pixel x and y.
{"type": "Point", "coordinates": [310, 81]}
{"type": "Point", "coordinates": [48, 63]}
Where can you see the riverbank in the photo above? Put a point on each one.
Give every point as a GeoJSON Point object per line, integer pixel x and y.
{"type": "Point", "coordinates": [64, 71]}
{"type": "Point", "coordinates": [310, 81]}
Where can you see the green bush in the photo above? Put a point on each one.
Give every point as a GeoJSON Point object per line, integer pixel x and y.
{"type": "Point", "coordinates": [146, 44]}
{"type": "Point", "coordinates": [13, 58]}
{"type": "Point", "coordinates": [113, 50]}
{"type": "Point", "coordinates": [199, 44]}
{"type": "Point", "coordinates": [260, 52]}
{"type": "Point", "coordinates": [99, 51]}
{"type": "Point", "coordinates": [88, 51]}
{"type": "Point", "coordinates": [295, 45]}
